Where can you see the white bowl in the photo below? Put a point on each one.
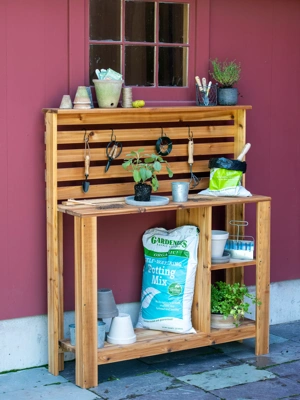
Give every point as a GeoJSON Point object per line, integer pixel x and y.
{"type": "Point", "coordinates": [218, 242]}
{"type": "Point", "coordinates": [121, 330]}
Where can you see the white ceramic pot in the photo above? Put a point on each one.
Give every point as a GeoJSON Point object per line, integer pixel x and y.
{"type": "Point", "coordinates": [121, 330]}
{"type": "Point", "coordinates": [218, 242]}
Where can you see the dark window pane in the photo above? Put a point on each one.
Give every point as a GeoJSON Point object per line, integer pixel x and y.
{"type": "Point", "coordinates": [105, 19]}
{"type": "Point", "coordinates": [139, 22]}
{"type": "Point", "coordinates": [104, 56]}
{"type": "Point", "coordinates": [139, 66]}
{"type": "Point", "coordinates": [173, 23]}
{"type": "Point", "coordinates": [172, 66]}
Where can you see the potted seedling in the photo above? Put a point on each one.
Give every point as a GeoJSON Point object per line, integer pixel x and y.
{"type": "Point", "coordinates": [228, 304]}
{"type": "Point", "coordinates": [144, 168]}
{"type": "Point", "coordinates": [226, 73]}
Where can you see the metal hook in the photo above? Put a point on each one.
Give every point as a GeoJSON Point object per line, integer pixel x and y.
{"type": "Point", "coordinates": [190, 134]}
{"type": "Point", "coordinates": [163, 134]}
{"type": "Point", "coordinates": [113, 136]}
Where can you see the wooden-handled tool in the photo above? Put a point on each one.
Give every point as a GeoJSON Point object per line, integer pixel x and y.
{"type": "Point", "coordinates": [86, 183]}
{"type": "Point", "coordinates": [194, 181]}
{"type": "Point", "coordinates": [191, 152]}
{"type": "Point", "coordinates": [197, 79]}
{"type": "Point", "coordinates": [244, 151]}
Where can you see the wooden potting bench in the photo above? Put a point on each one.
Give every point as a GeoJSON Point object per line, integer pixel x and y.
{"type": "Point", "coordinates": [217, 131]}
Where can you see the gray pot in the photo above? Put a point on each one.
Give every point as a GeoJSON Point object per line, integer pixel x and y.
{"type": "Point", "coordinates": [227, 96]}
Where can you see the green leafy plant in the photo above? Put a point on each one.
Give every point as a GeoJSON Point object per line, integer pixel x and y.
{"type": "Point", "coordinates": [226, 73]}
{"type": "Point", "coordinates": [145, 167]}
{"type": "Point", "coordinates": [228, 299]}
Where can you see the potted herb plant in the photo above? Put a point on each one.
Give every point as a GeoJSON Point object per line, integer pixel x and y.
{"type": "Point", "coordinates": [228, 304]}
{"type": "Point", "coordinates": [226, 74]}
{"type": "Point", "coordinates": [144, 167]}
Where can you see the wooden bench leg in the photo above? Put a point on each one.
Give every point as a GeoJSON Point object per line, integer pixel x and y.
{"type": "Point", "coordinates": [55, 294]}
{"type": "Point", "coordinates": [263, 276]}
{"type": "Point", "coordinates": [202, 218]}
{"type": "Point", "coordinates": [85, 232]}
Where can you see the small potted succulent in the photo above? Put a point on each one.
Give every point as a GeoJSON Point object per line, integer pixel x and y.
{"type": "Point", "coordinates": [226, 74]}
{"type": "Point", "coordinates": [228, 303]}
{"type": "Point", "coordinates": [144, 167]}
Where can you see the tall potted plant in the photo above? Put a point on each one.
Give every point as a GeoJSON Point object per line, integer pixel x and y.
{"type": "Point", "coordinates": [226, 74]}
{"type": "Point", "coordinates": [145, 167]}
{"type": "Point", "coordinates": [228, 304]}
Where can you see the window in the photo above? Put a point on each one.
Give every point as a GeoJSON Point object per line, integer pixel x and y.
{"type": "Point", "coordinates": [147, 41]}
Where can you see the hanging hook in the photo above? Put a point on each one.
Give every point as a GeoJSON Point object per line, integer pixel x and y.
{"type": "Point", "coordinates": [113, 136]}
{"type": "Point", "coordinates": [190, 134]}
{"type": "Point", "coordinates": [163, 134]}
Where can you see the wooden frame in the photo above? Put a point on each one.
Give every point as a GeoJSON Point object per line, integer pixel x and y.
{"type": "Point", "coordinates": [213, 131]}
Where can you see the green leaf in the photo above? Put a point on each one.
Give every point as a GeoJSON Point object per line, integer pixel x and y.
{"type": "Point", "coordinates": [143, 174]}
{"type": "Point", "coordinates": [170, 173]}
{"type": "Point", "coordinates": [136, 176]}
{"type": "Point", "coordinates": [148, 173]}
{"type": "Point", "coordinates": [148, 160]}
{"type": "Point", "coordinates": [155, 184]}
{"type": "Point", "coordinates": [126, 164]}
{"type": "Point", "coordinates": [157, 166]}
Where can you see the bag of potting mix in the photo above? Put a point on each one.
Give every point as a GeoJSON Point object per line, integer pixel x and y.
{"type": "Point", "coordinates": [225, 178]}
{"type": "Point", "coordinates": [169, 279]}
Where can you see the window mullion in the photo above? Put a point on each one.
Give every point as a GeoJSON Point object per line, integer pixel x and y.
{"type": "Point", "coordinates": [156, 52]}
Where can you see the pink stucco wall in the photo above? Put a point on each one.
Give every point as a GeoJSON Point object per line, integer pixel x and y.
{"type": "Point", "coordinates": [43, 56]}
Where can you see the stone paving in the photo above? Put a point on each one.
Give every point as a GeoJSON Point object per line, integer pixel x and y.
{"type": "Point", "coordinates": [226, 372]}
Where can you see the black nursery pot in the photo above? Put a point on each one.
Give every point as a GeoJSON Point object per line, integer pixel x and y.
{"type": "Point", "coordinates": [142, 192]}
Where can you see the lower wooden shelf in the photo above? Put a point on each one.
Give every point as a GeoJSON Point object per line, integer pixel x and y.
{"type": "Point", "coordinates": [234, 263]}
{"type": "Point", "coordinates": [150, 342]}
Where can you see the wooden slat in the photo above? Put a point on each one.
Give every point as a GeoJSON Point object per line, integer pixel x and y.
{"type": "Point", "coordinates": [60, 287]}
{"type": "Point", "coordinates": [179, 150]}
{"type": "Point", "coordinates": [194, 201]}
{"type": "Point", "coordinates": [156, 342]}
{"type": "Point", "coordinates": [233, 264]}
{"type": "Point", "coordinates": [85, 232]}
{"type": "Point", "coordinates": [127, 135]}
{"type": "Point", "coordinates": [117, 171]}
{"type": "Point", "coordinates": [263, 276]}
{"type": "Point", "coordinates": [144, 115]}
{"type": "Point", "coordinates": [53, 276]}
{"type": "Point", "coordinates": [116, 189]}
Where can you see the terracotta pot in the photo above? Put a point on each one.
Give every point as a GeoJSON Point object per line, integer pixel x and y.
{"type": "Point", "coordinates": [142, 192]}
{"type": "Point", "coordinates": [218, 322]}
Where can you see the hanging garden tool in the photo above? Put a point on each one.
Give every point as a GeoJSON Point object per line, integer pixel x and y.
{"type": "Point", "coordinates": [194, 181]}
{"type": "Point", "coordinates": [163, 145]}
{"type": "Point", "coordinates": [113, 150]}
{"type": "Point", "coordinates": [87, 161]}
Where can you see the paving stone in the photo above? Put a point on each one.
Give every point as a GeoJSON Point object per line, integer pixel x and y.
{"type": "Point", "coordinates": [185, 392]}
{"type": "Point", "coordinates": [198, 364]}
{"type": "Point", "coordinates": [111, 371]}
{"type": "Point", "coordinates": [135, 386]}
{"type": "Point", "coordinates": [63, 391]}
{"type": "Point", "coordinates": [237, 350]}
{"type": "Point", "coordinates": [272, 389]}
{"type": "Point", "coordinates": [28, 379]}
{"type": "Point", "coordinates": [279, 353]}
{"type": "Point", "coordinates": [180, 354]}
{"type": "Point", "coordinates": [289, 330]}
{"type": "Point", "coordinates": [227, 377]}
{"type": "Point", "coordinates": [289, 370]}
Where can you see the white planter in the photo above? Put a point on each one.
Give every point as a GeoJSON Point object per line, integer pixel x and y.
{"type": "Point", "coordinates": [218, 242]}
{"type": "Point", "coordinates": [218, 322]}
